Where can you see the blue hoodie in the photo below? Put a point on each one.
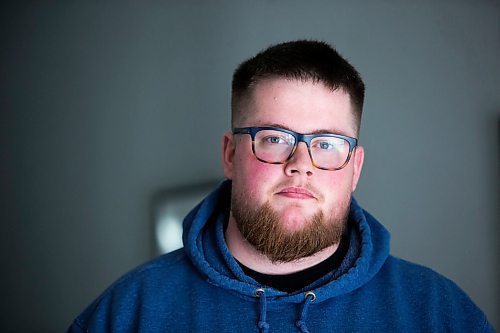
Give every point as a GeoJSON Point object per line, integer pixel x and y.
{"type": "Point", "coordinates": [201, 288]}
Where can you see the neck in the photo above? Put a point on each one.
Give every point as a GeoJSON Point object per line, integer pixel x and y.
{"type": "Point", "coordinates": [246, 254]}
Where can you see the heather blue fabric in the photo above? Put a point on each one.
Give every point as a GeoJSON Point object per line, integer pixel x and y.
{"type": "Point", "coordinates": [201, 288]}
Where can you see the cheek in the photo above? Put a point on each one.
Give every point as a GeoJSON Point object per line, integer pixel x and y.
{"type": "Point", "coordinates": [255, 177]}
{"type": "Point", "coordinates": [337, 186]}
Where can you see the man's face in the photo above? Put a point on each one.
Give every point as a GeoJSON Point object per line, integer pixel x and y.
{"type": "Point", "coordinates": [296, 193]}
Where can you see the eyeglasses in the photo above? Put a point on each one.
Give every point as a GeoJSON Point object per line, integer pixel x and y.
{"type": "Point", "coordinates": [277, 145]}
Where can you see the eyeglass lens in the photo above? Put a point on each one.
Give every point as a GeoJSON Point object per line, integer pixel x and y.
{"type": "Point", "coordinates": [275, 147]}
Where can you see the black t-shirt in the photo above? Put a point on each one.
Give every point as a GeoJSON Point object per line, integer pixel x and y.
{"type": "Point", "coordinates": [298, 280]}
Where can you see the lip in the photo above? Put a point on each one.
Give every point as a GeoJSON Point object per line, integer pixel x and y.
{"type": "Point", "coordinates": [296, 193]}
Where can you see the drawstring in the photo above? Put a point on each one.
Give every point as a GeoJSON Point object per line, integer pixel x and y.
{"type": "Point", "coordinates": [301, 323]}
{"type": "Point", "coordinates": [263, 325]}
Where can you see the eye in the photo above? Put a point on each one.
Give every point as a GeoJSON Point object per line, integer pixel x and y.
{"type": "Point", "coordinates": [325, 145]}
{"type": "Point", "coordinates": [275, 140]}
{"type": "Point", "coordinates": [329, 145]}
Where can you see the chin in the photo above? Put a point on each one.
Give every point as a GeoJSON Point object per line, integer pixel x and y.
{"type": "Point", "coordinates": [293, 222]}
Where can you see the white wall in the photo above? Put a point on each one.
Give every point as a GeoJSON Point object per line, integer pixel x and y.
{"type": "Point", "coordinates": [96, 101]}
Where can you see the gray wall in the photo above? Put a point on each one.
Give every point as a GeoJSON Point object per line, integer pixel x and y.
{"type": "Point", "coordinates": [96, 101]}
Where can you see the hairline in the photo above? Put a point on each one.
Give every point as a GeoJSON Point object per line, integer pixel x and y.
{"type": "Point", "coordinates": [243, 99]}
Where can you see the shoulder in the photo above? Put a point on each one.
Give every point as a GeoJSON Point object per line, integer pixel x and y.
{"type": "Point", "coordinates": [414, 279]}
{"type": "Point", "coordinates": [154, 283]}
{"type": "Point", "coordinates": [403, 271]}
{"type": "Point", "coordinates": [422, 291]}
{"type": "Point", "coordinates": [171, 267]}
{"type": "Point", "coordinates": [167, 271]}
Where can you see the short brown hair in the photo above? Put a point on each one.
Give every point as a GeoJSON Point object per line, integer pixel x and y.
{"type": "Point", "coordinates": [301, 60]}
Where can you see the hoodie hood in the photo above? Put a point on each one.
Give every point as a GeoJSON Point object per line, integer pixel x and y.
{"type": "Point", "coordinates": [205, 245]}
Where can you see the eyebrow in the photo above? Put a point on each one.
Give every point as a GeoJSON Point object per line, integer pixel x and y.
{"type": "Point", "coordinates": [318, 131]}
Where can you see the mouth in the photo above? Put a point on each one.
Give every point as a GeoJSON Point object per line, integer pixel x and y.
{"type": "Point", "coordinates": [296, 193]}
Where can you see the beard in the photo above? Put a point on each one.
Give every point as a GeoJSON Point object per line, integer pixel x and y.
{"type": "Point", "coordinates": [262, 227]}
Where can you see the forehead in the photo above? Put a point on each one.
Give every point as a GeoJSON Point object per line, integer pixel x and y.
{"type": "Point", "coordinates": [303, 106]}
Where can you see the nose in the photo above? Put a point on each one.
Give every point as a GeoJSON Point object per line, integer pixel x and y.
{"type": "Point", "coordinates": [300, 162]}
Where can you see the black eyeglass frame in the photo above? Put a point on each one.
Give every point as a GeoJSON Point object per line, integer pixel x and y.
{"type": "Point", "coordinates": [299, 137]}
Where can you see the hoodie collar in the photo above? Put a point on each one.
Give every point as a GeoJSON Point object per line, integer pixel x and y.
{"type": "Point", "coordinates": [205, 245]}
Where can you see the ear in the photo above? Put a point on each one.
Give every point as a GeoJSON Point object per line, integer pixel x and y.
{"type": "Point", "coordinates": [359, 157]}
{"type": "Point", "coordinates": [228, 154]}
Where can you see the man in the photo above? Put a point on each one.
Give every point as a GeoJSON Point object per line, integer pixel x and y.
{"type": "Point", "coordinates": [281, 245]}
